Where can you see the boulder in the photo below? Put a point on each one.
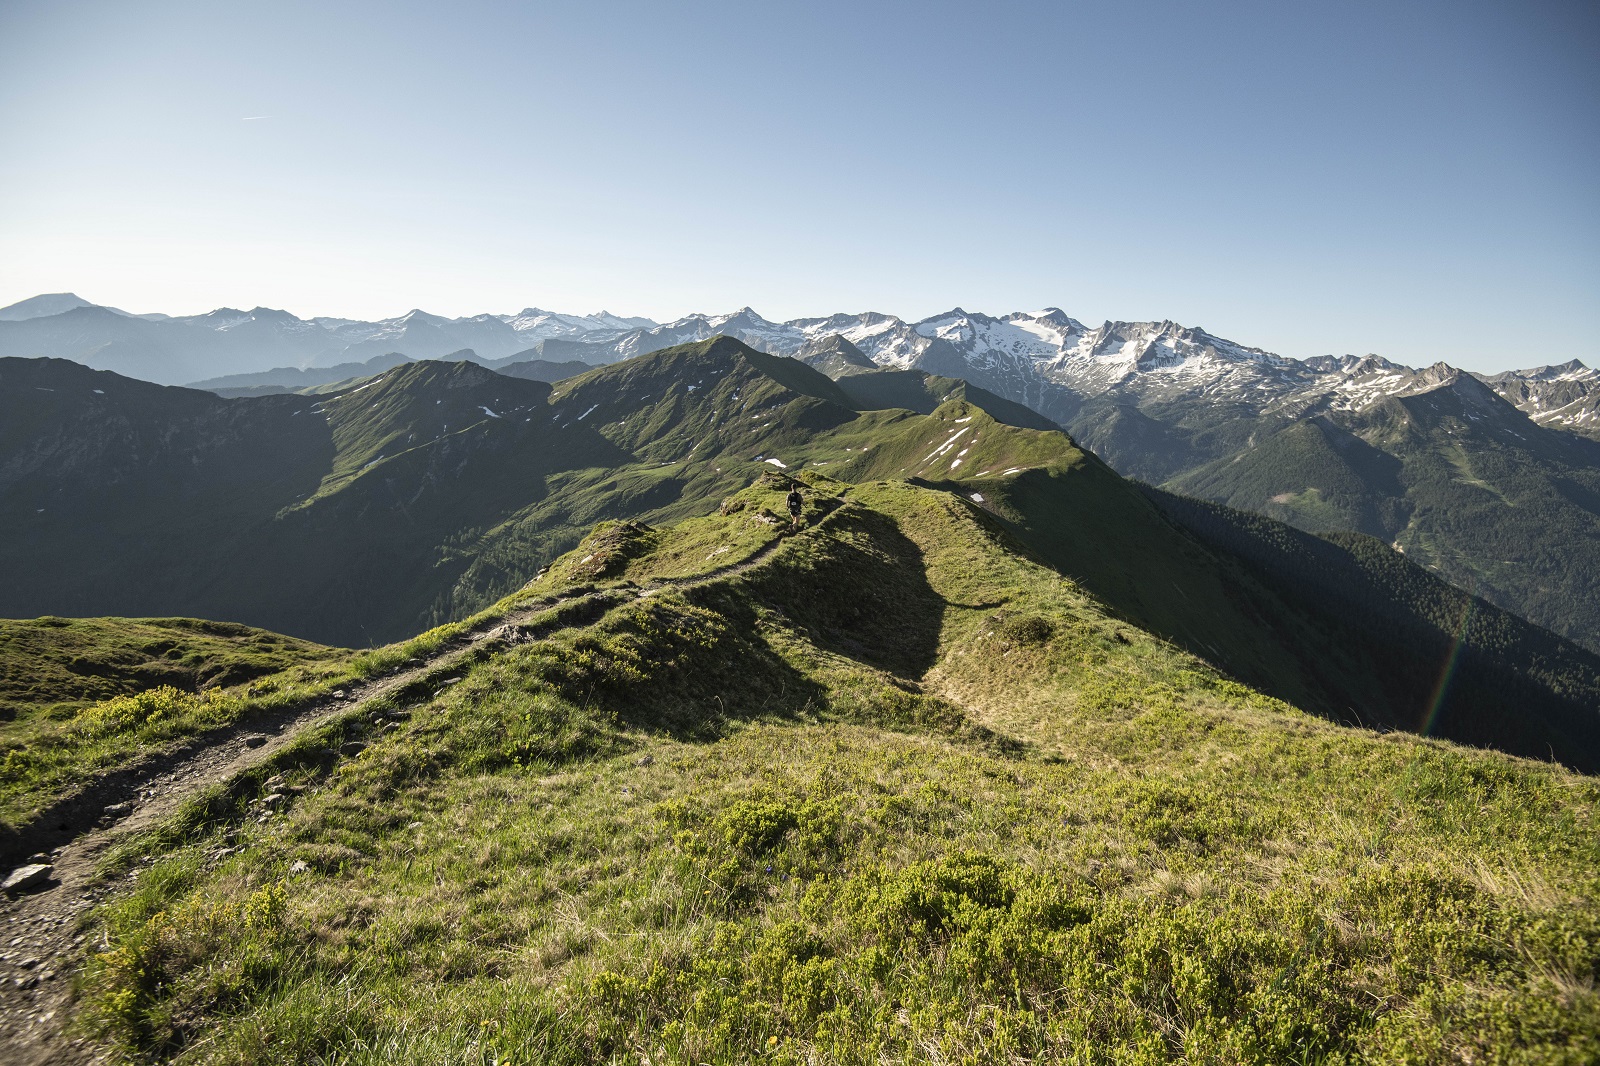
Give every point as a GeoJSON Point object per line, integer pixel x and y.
{"type": "Point", "coordinates": [24, 878]}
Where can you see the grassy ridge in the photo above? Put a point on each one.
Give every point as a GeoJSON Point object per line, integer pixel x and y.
{"type": "Point", "coordinates": [83, 696]}
{"type": "Point", "coordinates": [895, 792]}
{"type": "Point", "coordinates": [47, 661]}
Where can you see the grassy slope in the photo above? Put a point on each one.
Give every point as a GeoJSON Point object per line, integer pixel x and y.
{"type": "Point", "coordinates": [898, 793]}
{"type": "Point", "coordinates": [1486, 499]}
{"type": "Point", "coordinates": [82, 696]}
{"type": "Point", "coordinates": [1438, 661]}
{"type": "Point", "coordinates": [71, 661]}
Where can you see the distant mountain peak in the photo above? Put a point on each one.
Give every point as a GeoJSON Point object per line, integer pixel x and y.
{"type": "Point", "coordinates": [42, 306]}
{"type": "Point", "coordinates": [1571, 370]}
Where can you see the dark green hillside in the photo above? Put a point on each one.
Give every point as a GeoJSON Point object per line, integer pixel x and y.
{"type": "Point", "coordinates": [542, 369]}
{"type": "Point", "coordinates": [890, 792]}
{"type": "Point", "coordinates": [1348, 483]}
{"type": "Point", "coordinates": [421, 475]}
{"type": "Point", "coordinates": [415, 406]}
{"type": "Point", "coordinates": [1151, 447]}
{"type": "Point", "coordinates": [1456, 478]}
{"type": "Point", "coordinates": [1439, 662]}
{"type": "Point", "coordinates": [698, 400]}
{"type": "Point", "coordinates": [121, 497]}
{"type": "Point", "coordinates": [918, 391]}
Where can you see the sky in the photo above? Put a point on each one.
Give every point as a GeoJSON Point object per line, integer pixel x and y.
{"type": "Point", "coordinates": [1416, 179]}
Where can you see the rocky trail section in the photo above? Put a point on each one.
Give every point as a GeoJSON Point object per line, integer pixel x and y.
{"type": "Point", "coordinates": [40, 942]}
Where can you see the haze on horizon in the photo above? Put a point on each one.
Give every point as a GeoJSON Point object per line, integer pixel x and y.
{"type": "Point", "coordinates": [1415, 180]}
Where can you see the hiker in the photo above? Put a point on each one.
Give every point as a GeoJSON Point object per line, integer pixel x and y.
{"type": "Point", "coordinates": [796, 502]}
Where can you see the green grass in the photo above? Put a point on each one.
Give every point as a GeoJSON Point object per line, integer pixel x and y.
{"type": "Point", "coordinates": [1490, 502]}
{"type": "Point", "coordinates": [47, 755]}
{"type": "Point", "coordinates": [894, 794]}
{"type": "Point", "coordinates": [82, 696]}
{"type": "Point", "coordinates": [89, 696]}
{"type": "Point", "coordinates": [48, 662]}
{"type": "Point", "coordinates": [629, 551]}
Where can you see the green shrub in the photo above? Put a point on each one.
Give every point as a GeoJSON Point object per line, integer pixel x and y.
{"type": "Point", "coordinates": [125, 713]}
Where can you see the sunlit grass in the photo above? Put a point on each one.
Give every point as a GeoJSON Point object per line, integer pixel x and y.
{"type": "Point", "coordinates": [786, 817]}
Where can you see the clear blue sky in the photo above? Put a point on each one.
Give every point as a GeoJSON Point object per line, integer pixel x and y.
{"type": "Point", "coordinates": [1417, 179]}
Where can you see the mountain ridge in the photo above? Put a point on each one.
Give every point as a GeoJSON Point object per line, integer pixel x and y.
{"type": "Point", "coordinates": [1070, 352]}
{"type": "Point", "coordinates": [733, 793]}
{"type": "Point", "coordinates": [429, 490]}
{"type": "Point", "coordinates": [1169, 404]}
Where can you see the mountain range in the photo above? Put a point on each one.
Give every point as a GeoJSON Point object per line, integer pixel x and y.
{"type": "Point", "coordinates": [991, 754]}
{"type": "Point", "coordinates": [1493, 481]}
{"type": "Point", "coordinates": [424, 493]}
{"type": "Point", "coordinates": [227, 341]}
{"type": "Point", "coordinates": [1047, 360]}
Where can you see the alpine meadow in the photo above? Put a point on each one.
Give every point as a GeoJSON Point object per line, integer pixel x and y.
{"type": "Point", "coordinates": [444, 623]}
{"type": "Point", "coordinates": [993, 754]}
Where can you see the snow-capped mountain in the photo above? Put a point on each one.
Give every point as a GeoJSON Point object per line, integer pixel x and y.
{"type": "Point", "coordinates": [1058, 366]}
{"type": "Point", "coordinates": [1565, 397]}
{"type": "Point", "coordinates": [1047, 360]}
{"type": "Point", "coordinates": [535, 325]}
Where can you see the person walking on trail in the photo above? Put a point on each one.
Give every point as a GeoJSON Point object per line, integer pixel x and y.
{"type": "Point", "coordinates": [796, 502]}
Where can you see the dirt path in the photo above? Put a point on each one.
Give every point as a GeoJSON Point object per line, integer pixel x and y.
{"type": "Point", "coordinates": [39, 946]}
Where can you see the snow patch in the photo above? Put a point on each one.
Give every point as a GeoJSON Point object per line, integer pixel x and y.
{"type": "Point", "coordinates": [947, 445]}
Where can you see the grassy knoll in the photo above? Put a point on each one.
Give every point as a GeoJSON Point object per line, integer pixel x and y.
{"type": "Point", "coordinates": [87, 696]}
{"type": "Point", "coordinates": [49, 661]}
{"type": "Point", "coordinates": [81, 696]}
{"type": "Point", "coordinates": [895, 793]}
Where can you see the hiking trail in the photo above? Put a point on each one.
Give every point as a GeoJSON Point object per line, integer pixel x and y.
{"type": "Point", "coordinates": [40, 947]}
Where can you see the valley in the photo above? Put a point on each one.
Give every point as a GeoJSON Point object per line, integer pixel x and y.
{"type": "Point", "coordinates": [573, 748]}
{"type": "Point", "coordinates": [1491, 481]}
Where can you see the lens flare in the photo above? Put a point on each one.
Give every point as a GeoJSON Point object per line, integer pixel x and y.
{"type": "Point", "coordinates": [1447, 674]}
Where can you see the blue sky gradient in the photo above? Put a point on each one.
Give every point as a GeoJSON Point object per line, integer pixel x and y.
{"type": "Point", "coordinates": [1414, 179]}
